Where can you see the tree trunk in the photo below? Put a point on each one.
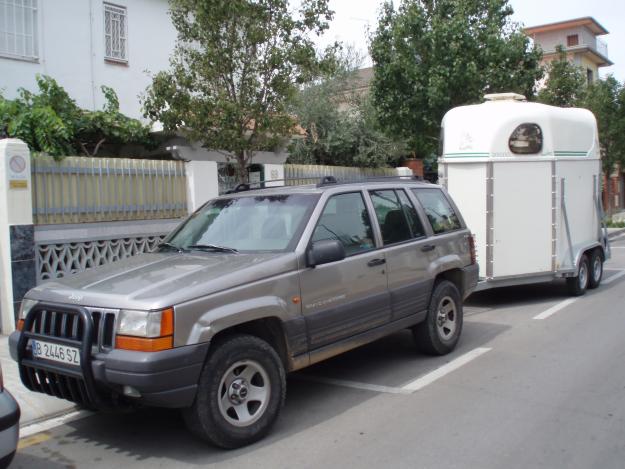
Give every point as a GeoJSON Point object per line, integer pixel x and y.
{"type": "Point", "coordinates": [241, 167]}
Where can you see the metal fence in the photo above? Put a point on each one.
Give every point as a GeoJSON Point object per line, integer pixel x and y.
{"type": "Point", "coordinates": [80, 189]}
{"type": "Point", "coordinates": [303, 174]}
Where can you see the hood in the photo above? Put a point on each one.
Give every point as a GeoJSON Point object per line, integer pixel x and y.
{"type": "Point", "coordinates": [160, 280]}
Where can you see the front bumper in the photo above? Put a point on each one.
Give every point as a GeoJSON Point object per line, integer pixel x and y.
{"type": "Point", "coordinates": [164, 379]}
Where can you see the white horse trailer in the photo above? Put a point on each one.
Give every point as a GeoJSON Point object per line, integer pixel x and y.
{"type": "Point", "coordinates": [527, 179]}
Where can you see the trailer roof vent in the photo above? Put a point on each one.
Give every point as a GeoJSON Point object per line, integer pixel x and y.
{"type": "Point", "coordinates": [504, 97]}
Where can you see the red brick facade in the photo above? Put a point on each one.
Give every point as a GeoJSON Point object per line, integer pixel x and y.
{"type": "Point", "coordinates": [616, 202]}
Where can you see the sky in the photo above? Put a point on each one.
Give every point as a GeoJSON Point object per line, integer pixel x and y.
{"type": "Point", "coordinates": [353, 17]}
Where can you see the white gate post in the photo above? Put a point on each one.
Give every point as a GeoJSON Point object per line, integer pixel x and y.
{"type": "Point", "coordinates": [17, 244]}
{"type": "Point", "coordinates": [202, 183]}
{"type": "Point", "coordinates": [274, 172]}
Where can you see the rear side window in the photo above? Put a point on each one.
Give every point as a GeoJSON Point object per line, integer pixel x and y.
{"type": "Point", "coordinates": [390, 215]}
{"type": "Point", "coordinates": [411, 214]}
{"type": "Point", "coordinates": [439, 211]}
{"type": "Point", "coordinates": [345, 217]}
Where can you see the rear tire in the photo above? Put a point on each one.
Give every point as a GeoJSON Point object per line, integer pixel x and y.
{"type": "Point", "coordinates": [596, 269]}
{"type": "Point", "coordinates": [577, 285]}
{"type": "Point", "coordinates": [440, 332]}
{"type": "Point", "coordinates": [241, 391]}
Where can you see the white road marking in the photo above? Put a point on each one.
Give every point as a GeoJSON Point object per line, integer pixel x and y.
{"type": "Point", "coordinates": [409, 388]}
{"type": "Point", "coordinates": [554, 309]}
{"type": "Point", "coordinates": [614, 277]}
{"type": "Point", "coordinates": [49, 424]}
{"type": "Point", "coordinates": [617, 247]}
{"type": "Point", "coordinates": [354, 384]}
{"type": "Point", "coordinates": [453, 365]}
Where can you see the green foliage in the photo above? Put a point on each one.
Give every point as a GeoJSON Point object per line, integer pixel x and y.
{"type": "Point", "coordinates": [341, 126]}
{"type": "Point", "coordinates": [606, 100]}
{"type": "Point", "coordinates": [236, 65]}
{"type": "Point", "coordinates": [615, 223]}
{"type": "Point", "coordinates": [431, 56]}
{"type": "Point", "coordinates": [347, 138]}
{"type": "Point", "coordinates": [45, 121]}
{"type": "Point", "coordinates": [566, 83]}
{"type": "Point", "coordinates": [50, 122]}
{"type": "Point", "coordinates": [110, 126]}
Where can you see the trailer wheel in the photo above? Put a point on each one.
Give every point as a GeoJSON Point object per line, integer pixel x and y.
{"type": "Point", "coordinates": [596, 269]}
{"type": "Point", "coordinates": [577, 285]}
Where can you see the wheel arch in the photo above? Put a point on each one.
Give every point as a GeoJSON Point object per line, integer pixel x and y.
{"type": "Point", "coordinates": [454, 276]}
{"type": "Point", "coordinates": [270, 329]}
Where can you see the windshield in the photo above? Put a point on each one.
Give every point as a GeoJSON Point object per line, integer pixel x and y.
{"type": "Point", "coordinates": [259, 223]}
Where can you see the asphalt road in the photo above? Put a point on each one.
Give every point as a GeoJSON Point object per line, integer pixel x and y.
{"type": "Point", "coordinates": [518, 392]}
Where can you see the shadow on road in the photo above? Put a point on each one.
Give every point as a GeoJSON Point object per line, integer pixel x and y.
{"type": "Point", "coordinates": [519, 295]}
{"type": "Point", "coordinates": [157, 433]}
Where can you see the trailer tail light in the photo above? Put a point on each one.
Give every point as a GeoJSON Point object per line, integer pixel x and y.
{"type": "Point", "coordinates": [472, 249]}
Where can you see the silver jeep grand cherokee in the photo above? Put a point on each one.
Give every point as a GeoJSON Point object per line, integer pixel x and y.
{"type": "Point", "coordinates": [252, 285]}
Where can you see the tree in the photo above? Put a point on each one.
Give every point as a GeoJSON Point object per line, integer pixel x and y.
{"type": "Point", "coordinates": [566, 84]}
{"type": "Point", "coordinates": [606, 99]}
{"type": "Point", "coordinates": [50, 122]}
{"type": "Point", "coordinates": [432, 55]}
{"type": "Point", "coordinates": [236, 65]}
{"type": "Point", "coordinates": [341, 126]}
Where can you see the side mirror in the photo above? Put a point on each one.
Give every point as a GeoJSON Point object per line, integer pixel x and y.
{"type": "Point", "coordinates": [324, 252]}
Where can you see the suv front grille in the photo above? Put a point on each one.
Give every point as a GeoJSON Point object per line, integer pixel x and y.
{"type": "Point", "coordinates": [89, 329]}
{"type": "Point", "coordinates": [66, 325]}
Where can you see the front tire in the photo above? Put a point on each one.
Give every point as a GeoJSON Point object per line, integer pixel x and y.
{"type": "Point", "coordinates": [241, 391]}
{"type": "Point", "coordinates": [596, 269]}
{"type": "Point", "coordinates": [440, 332]}
{"type": "Point", "coordinates": [577, 285]}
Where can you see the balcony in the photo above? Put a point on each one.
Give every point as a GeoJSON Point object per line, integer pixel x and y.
{"type": "Point", "coordinates": [602, 48]}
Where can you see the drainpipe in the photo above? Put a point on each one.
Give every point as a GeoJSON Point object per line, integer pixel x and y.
{"type": "Point", "coordinates": [91, 55]}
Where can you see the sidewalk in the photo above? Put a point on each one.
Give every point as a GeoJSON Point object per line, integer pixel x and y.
{"type": "Point", "coordinates": [36, 406]}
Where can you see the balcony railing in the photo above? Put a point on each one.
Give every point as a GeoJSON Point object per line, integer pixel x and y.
{"type": "Point", "coordinates": [602, 48]}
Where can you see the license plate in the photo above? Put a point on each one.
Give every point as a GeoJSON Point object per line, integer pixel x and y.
{"type": "Point", "coordinates": [56, 352]}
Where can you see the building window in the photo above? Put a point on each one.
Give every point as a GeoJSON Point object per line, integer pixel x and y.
{"type": "Point", "coordinates": [590, 76]}
{"type": "Point", "coordinates": [18, 29]}
{"type": "Point", "coordinates": [572, 40]}
{"type": "Point", "coordinates": [115, 33]}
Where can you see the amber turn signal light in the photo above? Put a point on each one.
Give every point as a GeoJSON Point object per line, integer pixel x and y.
{"type": "Point", "coordinates": [142, 344]}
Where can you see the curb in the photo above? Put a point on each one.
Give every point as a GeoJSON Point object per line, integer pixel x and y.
{"type": "Point", "coordinates": [616, 233]}
{"type": "Point", "coordinates": [52, 421]}
{"type": "Point", "coordinates": [53, 415]}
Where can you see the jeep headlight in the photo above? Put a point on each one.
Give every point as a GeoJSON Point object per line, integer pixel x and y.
{"type": "Point", "coordinates": [147, 331]}
{"type": "Point", "coordinates": [25, 308]}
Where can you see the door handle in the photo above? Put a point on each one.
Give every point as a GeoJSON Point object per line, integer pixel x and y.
{"type": "Point", "coordinates": [428, 247]}
{"type": "Point", "coordinates": [374, 262]}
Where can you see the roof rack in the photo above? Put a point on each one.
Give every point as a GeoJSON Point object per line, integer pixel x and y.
{"type": "Point", "coordinates": [321, 182]}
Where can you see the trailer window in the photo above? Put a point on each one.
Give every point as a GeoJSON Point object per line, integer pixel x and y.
{"type": "Point", "coordinates": [527, 139]}
{"type": "Point", "coordinates": [439, 211]}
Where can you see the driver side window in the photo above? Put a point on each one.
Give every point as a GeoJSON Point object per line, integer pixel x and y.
{"type": "Point", "coordinates": [345, 218]}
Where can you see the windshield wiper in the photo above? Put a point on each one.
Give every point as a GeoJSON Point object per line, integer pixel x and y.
{"type": "Point", "coordinates": [212, 247]}
{"type": "Point", "coordinates": [170, 246]}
